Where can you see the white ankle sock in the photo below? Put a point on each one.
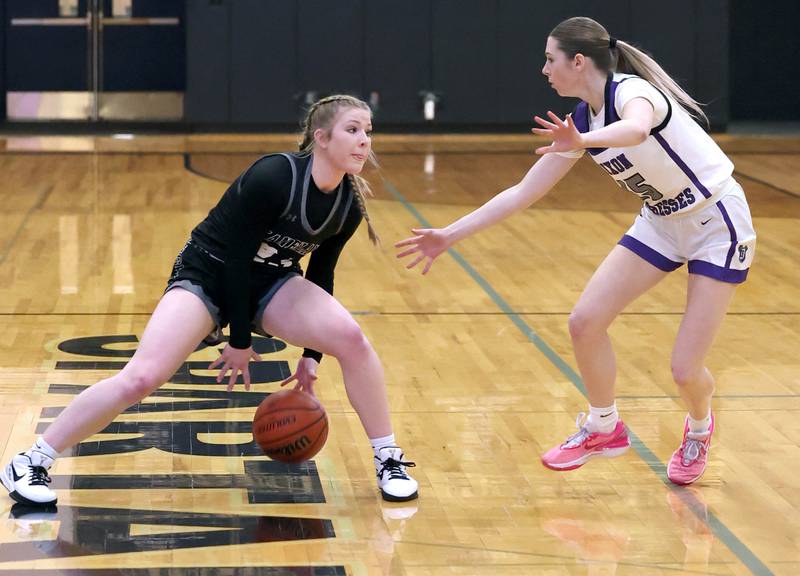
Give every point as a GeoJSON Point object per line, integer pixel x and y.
{"type": "Point", "coordinates": [602, 420]}
{"type": "Point", "coordinates": [382, 442]}
{"type": "Point", "coordinates": [41, 453]}
{"type": "Point", "coordinates": [700, 426]}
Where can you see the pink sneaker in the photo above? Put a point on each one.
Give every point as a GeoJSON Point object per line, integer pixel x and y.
{"type": "Point", "coordinates": [689, 461]}
{"type": "Point", "coordinates": [582, 445]}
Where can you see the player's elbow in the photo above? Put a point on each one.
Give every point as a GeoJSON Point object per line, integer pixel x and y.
{"type": "Point", "coordinates": [640, 133]}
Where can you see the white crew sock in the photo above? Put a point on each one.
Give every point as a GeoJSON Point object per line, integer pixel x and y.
{"type": "Point", "coordinates": [41, 453]}
{"type": "Point", "coordinates": [700, 426]}
{"type": "Point", "coordinates": [602, 420]}
{"type": "Point", "coordinates": [382, 442]}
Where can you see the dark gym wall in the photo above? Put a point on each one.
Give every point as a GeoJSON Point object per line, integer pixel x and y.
{"type": "Point", "coordinates": [208, 62]}
{"type": "Point", "coordinates": [257, 62]}
{"type": "Point", "coordinates": [398, 57]}
{"type": "Point", "coordinates": [253, 64]}
{"type": "Point", "coordinates": [263, 82]}
{"type": "Point", "coordinates": [764, 47]}
{"type": "Point", "coordinates": [465, 60]}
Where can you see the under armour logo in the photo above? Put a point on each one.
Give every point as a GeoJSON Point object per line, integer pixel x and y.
{"type": "Point", "coordinates": [742, 253]}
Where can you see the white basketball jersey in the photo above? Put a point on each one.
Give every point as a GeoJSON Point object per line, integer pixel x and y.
{"type": "Point", "coordinates": [677, 169]}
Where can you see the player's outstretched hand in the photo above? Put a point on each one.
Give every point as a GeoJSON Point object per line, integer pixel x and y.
{"type": "Point", "coordinates": [564, 134]}
{"type": "Point", "coordinates": [427, 243]}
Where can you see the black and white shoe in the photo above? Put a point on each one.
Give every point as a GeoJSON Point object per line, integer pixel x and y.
{"type": "Point", "coordinates": [27, 481]}
{"type": "Point", "coordinates": [395, 484]}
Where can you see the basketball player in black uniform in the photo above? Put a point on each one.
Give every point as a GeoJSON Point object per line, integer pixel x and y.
{"type": "Point", "coordinates": [241, 267]}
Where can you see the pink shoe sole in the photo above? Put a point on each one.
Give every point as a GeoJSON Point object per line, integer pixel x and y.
{"type": "Point", "coordinates": [607, 453]}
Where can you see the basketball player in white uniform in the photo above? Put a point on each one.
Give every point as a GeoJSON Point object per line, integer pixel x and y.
{"type": "Point", "coordinates": [640, 127]}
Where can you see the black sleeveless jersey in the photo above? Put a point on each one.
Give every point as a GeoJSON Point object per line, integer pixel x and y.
{"type": "Point", "coordinates": [272, 215]}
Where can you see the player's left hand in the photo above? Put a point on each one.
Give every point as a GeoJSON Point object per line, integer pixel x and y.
{"type": "Point", "coordinates": [305, 375]}
{"type": "Point", "coordinates": [564, 134]}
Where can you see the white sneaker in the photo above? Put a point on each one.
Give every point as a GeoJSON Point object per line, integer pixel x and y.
{"type": "Point", "coordinates": [27, 482]}
{"type": "Point", "coordinates": [395, 484]}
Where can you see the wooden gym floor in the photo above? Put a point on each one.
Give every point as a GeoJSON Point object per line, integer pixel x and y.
{"type": "Point", "coordinates": [479, 367]}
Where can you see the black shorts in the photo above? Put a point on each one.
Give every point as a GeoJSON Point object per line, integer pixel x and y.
{"type": "Point", "coordinates": [201, 273]}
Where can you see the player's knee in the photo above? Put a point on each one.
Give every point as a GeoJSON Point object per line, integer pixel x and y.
{"type": "Point", "coordinates": [583, 323]}
{"type": "Point", "coordinates": [351, 341]}
{"type": "Point", "coordinates": [684, 374]}
{"type": "Point", "coordinates": [138, 385]}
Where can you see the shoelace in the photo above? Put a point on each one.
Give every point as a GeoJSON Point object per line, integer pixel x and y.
{"type": "Point", "coordinates": [39, 476]}
{"type": "Point", "coordinates": [692, 449]}
{"type": "Point", "coordinates": [395, 468]}
{"type": "Point", "coordinates": [577, 439]}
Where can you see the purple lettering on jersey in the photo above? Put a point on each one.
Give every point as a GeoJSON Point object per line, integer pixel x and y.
{"type": "Point", "coordinates": [617, 166]}
{"type": "Point", "coordinates": [672, 205]}
{"type": "Point", "coordinates": [626, 164]}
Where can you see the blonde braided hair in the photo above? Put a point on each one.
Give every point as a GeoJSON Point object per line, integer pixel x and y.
{"type": "Point", "coordinates": [321, 116]}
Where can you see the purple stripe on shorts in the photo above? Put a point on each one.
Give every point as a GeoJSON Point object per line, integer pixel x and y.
{"type": "Point", "coordinates": [644, 251]}
{"type": "Point", "coordinates": [717, 272]}
{"type": "Point", "coordinates": [732, 230]}
{"type": "Point", "coordinates": [682, 165]}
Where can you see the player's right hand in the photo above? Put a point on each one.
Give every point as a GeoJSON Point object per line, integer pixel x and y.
{"type": "Point", "coordinates": [427, 243]}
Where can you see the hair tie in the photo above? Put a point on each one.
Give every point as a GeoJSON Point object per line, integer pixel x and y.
{"type": "Point", "coordinates": [612, 42]}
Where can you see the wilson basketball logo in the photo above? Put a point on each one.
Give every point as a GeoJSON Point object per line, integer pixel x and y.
{"type": "Point", "coordinates": [288, 450]}
{"type": "Point", "coordinates": [277, 424]}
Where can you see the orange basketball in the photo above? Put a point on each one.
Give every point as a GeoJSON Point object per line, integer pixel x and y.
{"type": "Point", "coordinates": [290, 426]}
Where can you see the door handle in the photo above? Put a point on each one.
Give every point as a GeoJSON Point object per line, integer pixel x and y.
{"type": "Point", "coordinates": [50, 21]}
{"type": "Point", "coordinates": [140, 21]}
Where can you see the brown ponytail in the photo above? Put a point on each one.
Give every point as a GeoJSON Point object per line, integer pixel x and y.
{"type": "Point", "coordinates": [588, 37]}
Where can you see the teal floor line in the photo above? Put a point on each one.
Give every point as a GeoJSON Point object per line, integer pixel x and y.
{"type": "Point", "coordinates": [722, 532]}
